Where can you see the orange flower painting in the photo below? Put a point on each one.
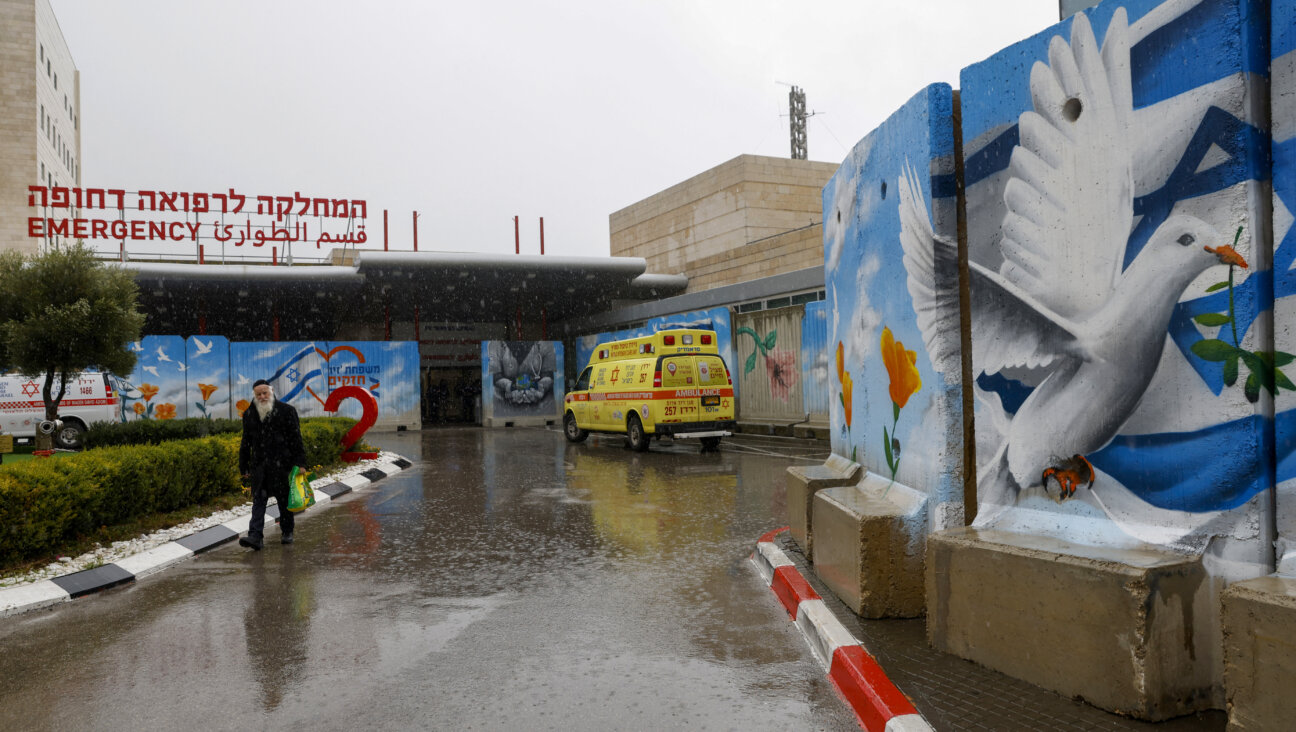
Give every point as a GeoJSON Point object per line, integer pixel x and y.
{"type": "Point", "coordinates": [138, 408]}
{"type": "Point", "coordinates": [901, 369]}
{"type": "Point", "coordinates": [844, 378]}
{"type": "Point", "coordinates": [902, 372]}
{"type": "Point", "coordinates": [166, 411]}
{"type": "Point", "coordinates": [242, 405]}
{"type": "Point", "coordinates": [148, 391]}
{"type": "Point", "coordinates": [207, 390]}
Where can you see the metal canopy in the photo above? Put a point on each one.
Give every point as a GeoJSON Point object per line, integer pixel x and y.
{"type": "Point", "coordinates": [312, 301]}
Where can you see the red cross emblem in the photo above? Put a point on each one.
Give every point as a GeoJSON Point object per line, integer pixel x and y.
{"type": "Point", "coordinates": [30, 389]}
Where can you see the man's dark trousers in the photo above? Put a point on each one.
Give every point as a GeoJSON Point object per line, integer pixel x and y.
{"type": "Point", "coordinates": [260, 499]}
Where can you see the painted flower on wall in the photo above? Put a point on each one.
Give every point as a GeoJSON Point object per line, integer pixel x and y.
{"type": "Point", "coordinates": [166, 411]}
{"type": "Point", "coordinates": [1264, 368]}
{"type": "Point", "coordinates": [781, 366]}
{"type": "Point", "coordinates": [207, 390]}
{"type": "Point", "coordinates": [147, 392]}
{"type": "Point", "coordinates": [242, 405]}
{"type": "Point", "coordinates": [902, 371]}
{"type": "Point", "coordinates": [844, 396]}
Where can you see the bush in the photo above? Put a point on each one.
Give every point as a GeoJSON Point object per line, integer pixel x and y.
{"type": "Point", "coordinates": [155, 431]}
{"type": "Point", "coordinates": [46, 503]}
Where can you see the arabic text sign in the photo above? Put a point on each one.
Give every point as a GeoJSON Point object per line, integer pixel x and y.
{"type": "Point", "coordinates": [166, 206]}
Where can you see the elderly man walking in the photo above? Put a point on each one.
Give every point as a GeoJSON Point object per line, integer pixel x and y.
{"type": "Point", "coordinates": [271, 446]}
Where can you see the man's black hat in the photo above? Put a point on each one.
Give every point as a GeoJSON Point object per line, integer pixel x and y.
{"type": "Point", "coordinates": [259, 382]}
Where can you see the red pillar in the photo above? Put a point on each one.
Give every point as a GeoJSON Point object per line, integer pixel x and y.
{"type": "Point", "coordinates": [517, 237]}
{"type": "Point", "coordinates": [200, 254]}
{"type": "Point", "coordinates": [384, 229]}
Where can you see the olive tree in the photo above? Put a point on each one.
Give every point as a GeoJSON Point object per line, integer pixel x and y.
{"type": "Point", "coordinates": [63, 311]}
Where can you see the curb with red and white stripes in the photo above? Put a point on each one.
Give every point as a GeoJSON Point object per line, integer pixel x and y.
{"type": "Point", "coordinates": [878, 704]}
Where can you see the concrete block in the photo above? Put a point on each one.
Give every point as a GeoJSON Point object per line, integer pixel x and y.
{"type": "Point", "coordinates": [1260, 653]}
{"type": "Point", "coordinates": [1126, 630]}
{"type": "Point", "coordinates": [803, 482]}
{"type": "Point", "coordinates": [868, 546]}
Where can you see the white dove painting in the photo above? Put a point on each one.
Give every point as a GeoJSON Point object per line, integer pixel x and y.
{"type": "Point", "coordinates": [894, 365]}
{"type": "Point", "coordinates": [208, 391]}
{"type": "Point", "coordinates": [158, 386]}
{"type": "Point", "coordinates": [1117, 315]}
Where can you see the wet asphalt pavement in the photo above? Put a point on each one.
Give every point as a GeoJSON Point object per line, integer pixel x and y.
{"type": "Point", "coordinates": [507, 580]}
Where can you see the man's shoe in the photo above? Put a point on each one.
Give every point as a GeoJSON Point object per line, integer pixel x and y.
{"type": "Point", "coordinates": [251, 543]}
{"type": "Point", "coordinates": [286, 539]}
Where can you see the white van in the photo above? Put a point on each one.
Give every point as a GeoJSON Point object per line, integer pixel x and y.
{"type": "Point", "coordinates": [90, 399]}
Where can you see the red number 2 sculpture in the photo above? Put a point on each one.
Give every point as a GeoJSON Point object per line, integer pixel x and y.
{"type": "Point", "coordinates": [367, 419]}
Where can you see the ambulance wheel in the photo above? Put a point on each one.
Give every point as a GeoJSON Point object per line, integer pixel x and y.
{"type": "Point", "coordinates": [71, 436]}
{"type": "Point", "coordinates": [710, 443]}
{"type": "Point", "coordinates": [572, 430]}
{"type": "Point", "coordinates": [635, 433]}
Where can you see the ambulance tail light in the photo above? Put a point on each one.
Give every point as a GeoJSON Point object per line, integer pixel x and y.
{"type": "Point", "coordinates": [108, 386]}
{"type": "Point", "coordinates": [657, 380]}
{"type": "Point", "coordinates": [706, 340]}
{"type": "Point", "coordinates": [668, 340]}
{"type": "Point", "coordinates": [728, 377]}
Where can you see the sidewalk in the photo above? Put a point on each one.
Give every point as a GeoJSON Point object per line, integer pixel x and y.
{"type": "Point", "coordinates": [954, 694]}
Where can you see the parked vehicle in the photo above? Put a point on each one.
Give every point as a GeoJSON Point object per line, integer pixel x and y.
{"type": "Point", "coordinates": [673, 382]}
{"type": "Point", "coordinates": [91, 398]}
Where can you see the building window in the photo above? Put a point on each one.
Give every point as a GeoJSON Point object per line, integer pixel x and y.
{"type": "Point", "coordinates": [778, 302]}
{"type": "Point", "coordinates": [749, 307]}
{"type": "Point", "coordinates": [805, 297]}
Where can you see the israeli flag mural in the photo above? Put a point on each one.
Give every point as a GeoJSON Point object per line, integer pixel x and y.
{"type": "Point", "coordinates": [1119, 277]}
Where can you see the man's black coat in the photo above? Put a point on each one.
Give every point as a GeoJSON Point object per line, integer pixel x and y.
{"type": "Point", "coordinates": [270, 449]}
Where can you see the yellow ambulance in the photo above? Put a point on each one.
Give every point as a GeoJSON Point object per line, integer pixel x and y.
{"type": "Point", "coordinates": [673, 382]}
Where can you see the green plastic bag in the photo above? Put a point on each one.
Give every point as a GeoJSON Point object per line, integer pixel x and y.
{"type": "Point", "coordinates": [300, 495]}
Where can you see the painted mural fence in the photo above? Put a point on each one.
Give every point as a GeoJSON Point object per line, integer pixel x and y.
{"type": "Point", "coordinates": [522, 380]}
{"type": "Point", "coordinates": [768, 371]}
{"type": "Point", "coordinates": [208, 376]}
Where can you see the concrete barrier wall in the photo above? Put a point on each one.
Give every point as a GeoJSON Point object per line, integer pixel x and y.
{"type": "Point", "coordinates": [891, 272]}
{"type": "Point", "coordinates": [1282, 99]}
{"type": "Point", "coordinates": [1120, 270]}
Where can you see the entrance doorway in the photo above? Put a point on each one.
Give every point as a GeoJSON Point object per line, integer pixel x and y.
{"type": "Point", "coordinates": [451, 396]}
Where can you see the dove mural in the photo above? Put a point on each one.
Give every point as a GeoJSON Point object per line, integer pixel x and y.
{"type": "Point", "coordinates": [890, 240]}
{"type": "Point", "coordinates": [208, 377]}
{"type": "Point", "coordinates": [1118, 297]}
{"type": "Point", "coordinates": [156, 389]}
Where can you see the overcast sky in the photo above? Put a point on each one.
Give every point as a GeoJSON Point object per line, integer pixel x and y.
{"type": "Point", "coordinates": [472, 113]}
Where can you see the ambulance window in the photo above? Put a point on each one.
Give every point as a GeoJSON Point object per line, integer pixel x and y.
{"type": "Point", "coordinates": [583, 382]}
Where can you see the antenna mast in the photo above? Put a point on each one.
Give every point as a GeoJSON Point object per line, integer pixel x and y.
{"type": "Point", "coordinates": [797, 122]}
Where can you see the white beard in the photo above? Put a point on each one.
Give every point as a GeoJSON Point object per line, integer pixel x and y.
{"type": "Point", "coordinates": [264, 409]}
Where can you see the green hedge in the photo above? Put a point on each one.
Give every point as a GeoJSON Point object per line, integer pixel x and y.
{"type": "Point", "coordinates": [154, 431]}
{"type": "Point", "coordinates": [45, 503]}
